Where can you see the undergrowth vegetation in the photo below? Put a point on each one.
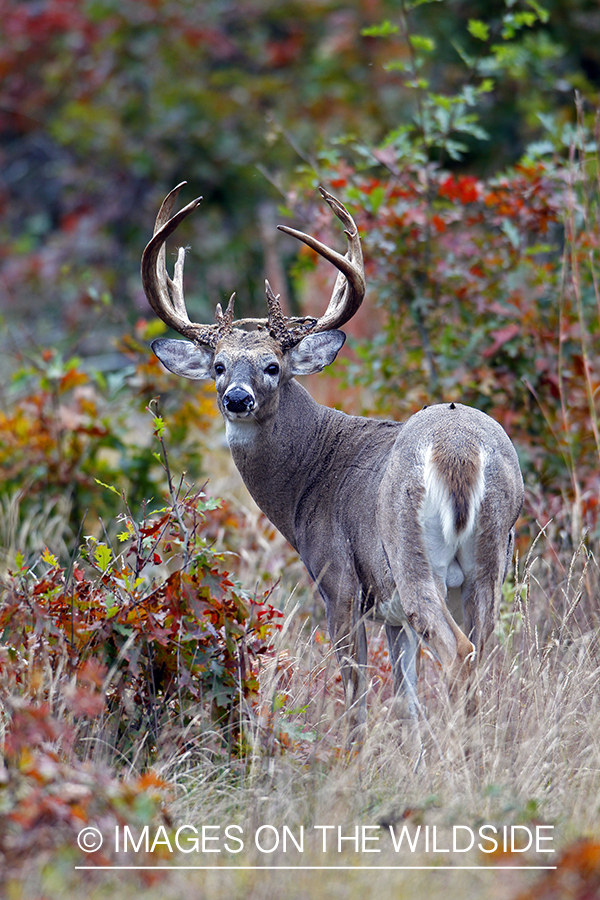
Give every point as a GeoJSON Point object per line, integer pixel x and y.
{"type": "Point", "coordinates": [124, 746]}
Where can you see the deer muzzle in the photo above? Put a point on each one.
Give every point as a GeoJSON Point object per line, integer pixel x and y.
{"type": "Point", "coordinates": [238, 400]}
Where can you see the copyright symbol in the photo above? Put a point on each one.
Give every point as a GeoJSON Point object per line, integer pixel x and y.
{"type": "Point", "coordinates": [89, 839]}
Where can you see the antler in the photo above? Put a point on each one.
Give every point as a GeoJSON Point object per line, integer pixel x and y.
{"type": "Point", "coordinates": [349, 288]}
{"type": "Point", "coordinates": [165, 294]}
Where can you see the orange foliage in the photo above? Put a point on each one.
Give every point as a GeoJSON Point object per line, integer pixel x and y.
{"type": "Point", "coordinates": [576, 877]}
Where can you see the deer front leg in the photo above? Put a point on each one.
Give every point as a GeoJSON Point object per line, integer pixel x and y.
{"type": "Point", "coordinates": [349, 638]}
{"type": "Point", "coordinates": [404, 649]}
{"type": "Point", "coordinates": [404, 656]}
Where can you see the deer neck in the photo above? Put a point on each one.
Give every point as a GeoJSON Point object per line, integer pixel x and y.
{"type": "Point", "coordinates": [277, 457]}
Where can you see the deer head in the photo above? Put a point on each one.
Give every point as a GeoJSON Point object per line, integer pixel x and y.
{"type": "Point", "coordinates": [249, 365]}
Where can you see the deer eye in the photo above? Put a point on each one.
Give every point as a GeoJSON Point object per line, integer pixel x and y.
{"type": "Point", "coordinates": [219, 368]}
{"type": "Point", "coordinates": [272, 369]}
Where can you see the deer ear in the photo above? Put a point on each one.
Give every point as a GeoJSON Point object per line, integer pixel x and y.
{"type": "Point", "coordinates": [315, 351]}
{"type": "Point", "coordinates": [184, 358]}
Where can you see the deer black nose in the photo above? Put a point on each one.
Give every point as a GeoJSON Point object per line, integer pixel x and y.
{"type": "Point", "coordinates": [238, 400]}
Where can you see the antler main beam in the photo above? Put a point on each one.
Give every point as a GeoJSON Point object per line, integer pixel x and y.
{"type": "Point", "coordinates": [166, 297]}
{"type": "Point", "coordinates": [165, 294]}
{"type": "Point", "coordinates": [349, 288]}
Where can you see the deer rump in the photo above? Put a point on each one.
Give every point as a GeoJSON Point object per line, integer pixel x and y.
{"type": "Point", "coordinates": [411, 510]}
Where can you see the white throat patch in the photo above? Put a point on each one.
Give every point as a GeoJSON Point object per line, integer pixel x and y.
{"type": "Point", "coordinates": [240, 431]}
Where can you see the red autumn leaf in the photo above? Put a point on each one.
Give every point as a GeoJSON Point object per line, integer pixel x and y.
{"type": "Point", "coordinates": [502, 336]}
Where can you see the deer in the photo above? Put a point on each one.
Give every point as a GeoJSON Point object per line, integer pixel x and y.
{"type": "Point", "coordinates": [387, 517]}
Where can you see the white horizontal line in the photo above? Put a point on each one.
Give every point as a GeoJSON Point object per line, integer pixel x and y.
{"type": "Point", "coordinates": [373, 868]}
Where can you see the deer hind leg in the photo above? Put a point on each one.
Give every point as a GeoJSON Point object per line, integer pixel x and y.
{"type": "Point", "coordinates": [485, 565]}
{"type": "Point", "coordinates": [421, 600]}
{"type": "Point", "coordinates": [420, 595]}
{"type": "Point", "coordinates": [482, 588]}
{"type": "Point", "coordinates": [404, 649]}
{"type": "Point", "coordinates": [456, 653]}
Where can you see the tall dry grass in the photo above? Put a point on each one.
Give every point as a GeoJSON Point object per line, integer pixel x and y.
{"type": "Point", "coordinates": [533, 746]}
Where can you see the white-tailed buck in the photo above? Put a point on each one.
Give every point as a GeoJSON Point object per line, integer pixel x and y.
{"type": "Point", "coordinates": [386, 516]}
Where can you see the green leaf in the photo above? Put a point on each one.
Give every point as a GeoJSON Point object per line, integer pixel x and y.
{"type": "Point", "coordinates": [454, 149]}
{"type": "Point", "coordinates": [385, 29]}
{"type": "Point", "coordinates": [478, 29]}
{"type": "Point", "coordinates": [539, 150]}
{"type": "Point", "coordinates": [397, 66]}
{"type": "Point", "coordinates": [211, 503]}
{"type": "Point", "coordinates": [413, 4]}
{"type": "Point", "coordinates": [422, 43]}
{"type": "Point", "coordinates": [297, 711]}
{"type": "Point", "coordinates": [469, 61]}
{"type": "Point", "coordinates": [538, 248]}
{"type": "Point", "coordinates": [374, 200]}
{"type": "Point", "coordinates": [512, 233]}
{"type": "Point", "coordinates": [278, 701]}
{"type": "Point", "coordinates": [525, 19]}
{"type": "Point", "coordinates": [108, 486]}
{"type": "Point", "coordinates": [543, 14]}
{"type": "Point", "coordinates": [49, 558]}
{"type": "Point", "coordinates": [513, 22]}
{"type": "Point", "coordinates": [154, 328]}
{"type": "Point", "coordinates": [111, 603]}
{"type": "Point", "coordinates": [441, 101]}
{"type": "Point", "coordinates": [103, 557]}
{"type": "Point", "coordinates": [469, 94]}
{"type": "Point", "coordinates": [130, 584]}
{"type": "Point", "coordinates": [159, 426]}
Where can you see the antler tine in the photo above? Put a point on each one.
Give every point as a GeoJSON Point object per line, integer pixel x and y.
{"type": "Point", "coordinates": [162, 218]}
{"type": "Point", "coordinates": [287, 331]}
{"type": "Point", "coordinates": [225, 319]}
{"type": "Point", "coordinates": [165, 294]}
{"type": "Point", "coordinates": [276, 322]}
{"type": "Point", "coordinates": [349, 288]}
